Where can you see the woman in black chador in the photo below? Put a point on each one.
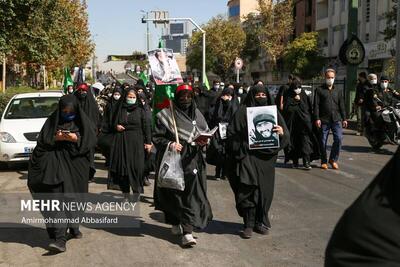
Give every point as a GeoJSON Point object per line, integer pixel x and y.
{"type": "Point", "coordinates": [60, 164]}
{"type": "Point", "coordinates": [368, 232]}
{"type": "Point", "coordinates": [88, 104]}
{"type": "Point", "coordinates": [226, 106]}
{"type": "Point", "coordinates": [297, 111]}
{"type": "Point", "coordinates": [190, 208]}
{"type": "Point", "coordinates": [132, 137]}
{"type": "Point", "coordinates": [254, 177]}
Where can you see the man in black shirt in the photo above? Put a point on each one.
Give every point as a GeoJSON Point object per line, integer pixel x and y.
{"type": "Point", "coordinates": [330, 114]}
{"type": "Point", "coordinates": [359, 101]}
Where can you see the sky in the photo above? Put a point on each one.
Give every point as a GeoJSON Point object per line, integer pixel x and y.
{"type": "Point", "coordinates": [116, 26]}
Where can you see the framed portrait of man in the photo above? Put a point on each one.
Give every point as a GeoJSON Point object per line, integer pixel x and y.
{"type": "Point", "coordinates": [260, 124]}
{"type": "Point", "coordinates": [164, 67]}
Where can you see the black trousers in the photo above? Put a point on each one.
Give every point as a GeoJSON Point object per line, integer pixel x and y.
{"type": "Point", "coordinates": [171, 219]}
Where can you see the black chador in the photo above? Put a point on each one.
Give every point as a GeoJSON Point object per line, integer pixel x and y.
{"type": "Point", "coordinates": [127, 150]}
{"type": "Point", "coordinates": [254, 179]}
{"type": "Point", "coordinates": [368, 232]}
{"type": "Point", "coordinates": [297, 111]}
{"type": "Point", "coordinates": [88, 104]}
{"type": "Point", "coordinates": [225, 108]}
{"type": "Point", "coordinates": [60, 164]}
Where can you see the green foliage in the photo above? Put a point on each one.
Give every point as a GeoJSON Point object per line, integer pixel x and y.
{"type": "Point", "coordinates": [45, 32]}
{"type": "Point", "coordinates": [391, 21]}
{"type": "Point", "coordinates": [225, 41]}
{"type": "Point", "coordinates": [276, 26]}
{"type": "Point", "coordinates": [303, 57]}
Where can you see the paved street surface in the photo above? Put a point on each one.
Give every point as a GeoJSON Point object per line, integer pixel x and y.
{"type": "Point", "coordinates": [305, 209]}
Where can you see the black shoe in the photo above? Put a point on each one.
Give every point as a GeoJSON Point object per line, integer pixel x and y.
{"type": "Point", "coordinates": [307, 166]}
{"type": "Point", "coordinates": [247, 233]}
{"type": "Point", "coordinates": [75, 233]}
{"type": "Point", "coordinates": [261, 229]}
{"type": "Point", "coordinates": [58, 246]}
{"type": "Point", "coordinates": [295, 165]}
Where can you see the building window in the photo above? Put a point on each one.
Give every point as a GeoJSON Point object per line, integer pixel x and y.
{"type": "Point", "coordinates": [367, 37]}
{"type": "Point", "coordinates": [307, 28]}
{"type": "Point", "coordinates": [234, 11]}
{"type": "Point", "coordinates": [309, 7]}
{"type": "Point", "coordinates": [343, 5]}
{"type": "Point", "coordinates": [333, 7]}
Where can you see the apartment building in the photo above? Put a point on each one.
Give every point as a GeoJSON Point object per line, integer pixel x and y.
{"type": "Point", "coordinates": [331, 23]}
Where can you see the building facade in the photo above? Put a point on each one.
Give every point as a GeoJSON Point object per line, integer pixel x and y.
{"type": "Point", "coordinates": [239, 9]}
{"type": "Point", "coordinates": [304, 16]}
{"type": "Point", "coordinates": [331, 24]}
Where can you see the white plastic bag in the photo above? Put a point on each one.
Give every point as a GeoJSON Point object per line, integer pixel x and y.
{"type": "Point", "coordinates": [171, 174]}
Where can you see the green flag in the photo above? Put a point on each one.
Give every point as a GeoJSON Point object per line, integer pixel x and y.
{"type": "Point", "coordinates": [205, 82]}
{"type": "Point", "coordinates": [67, 79]}
{"type": "Point", "coordinates": [144, 77]}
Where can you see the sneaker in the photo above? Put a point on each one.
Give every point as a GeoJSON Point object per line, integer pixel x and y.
{"type": "Point", "coordinates": [335, 166]}
{"type": "Point", "coordinates": [75, 233]}
{"type": "Point", "coordinates": [246, 233]}
{"type": "Point", "coordinates": [188, 240]}
{"type": "Point", "coordinates": [324, 166]}
{"type": "Point", "coordinates": [217, 179]}
{"type": "Point", "coordinates": [307, 166]}
{"type": "Point", "coordinates": [176, 230]}
{"type": "Point", "coordinates": [57, 246]}
{"type": "Point", "coordinates": [261, 229]}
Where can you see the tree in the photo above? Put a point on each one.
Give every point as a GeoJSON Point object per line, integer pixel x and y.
{"type": "Point", "coordinates": [391, 22]}
{"type": "Point", "coordinates": [225, 41]}
{"type": "Point", "coordinates": [303, 56]}
{"type": "Point", "coordinates": [54, 33]}
{"type": "Point", "coordinates": [276, 26]}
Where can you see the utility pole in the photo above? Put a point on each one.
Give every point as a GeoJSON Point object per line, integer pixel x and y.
{"type": "Point", "coordinates": [397, 85]}
{"type": "Point", "coordinates": [351, 70]}
{"type": "Point", "coordinates": [147, 29]}
{"type": "Point", "coordinates": [4, 74]}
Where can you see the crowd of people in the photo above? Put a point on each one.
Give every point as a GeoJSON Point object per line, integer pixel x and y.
{"type": "Point", "coordinates": [134, 141]}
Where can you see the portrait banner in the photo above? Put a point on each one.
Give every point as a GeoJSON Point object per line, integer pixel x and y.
{"type": "Point", "coordinates": [164, 67]}
{"type": "Point", "coordinates": [260, 125]}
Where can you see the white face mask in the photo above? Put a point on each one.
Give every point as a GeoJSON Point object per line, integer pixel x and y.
{"type": "Point", "coordinates": [374, 81]}
{"type": "Point", "coordinates": [216, 87]}
{"type": "Point", "coordinates": [240, 91]}
{"type": "Point", "coordinates": [117, 97]}
{"type": "Point", "coordinates": [384, 85]}
{"type": "Point", "coordinates": [109, 95]}
{"type": "Point", "coordinates": [330, 81]}
{"type": "Point", "coordinates": [70, 90]}
{"type": "Point", "coordinates": [297, 91]}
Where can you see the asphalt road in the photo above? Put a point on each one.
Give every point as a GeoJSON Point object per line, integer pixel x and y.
{"type": "Point", "coordinates": [306, 206]}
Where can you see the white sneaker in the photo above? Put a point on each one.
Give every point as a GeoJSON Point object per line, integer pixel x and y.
{"type": "Point", "coordinates": [188, 240]}
{"type": "Point", "coordinates": [176, 229]}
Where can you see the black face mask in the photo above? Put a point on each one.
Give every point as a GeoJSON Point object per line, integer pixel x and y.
{"type": "Point", "coordinates": [261, 101]}
{"type": "Point", "coordinates": [184, 105]}
{"type": "Point", "coordinates": [82, 94]}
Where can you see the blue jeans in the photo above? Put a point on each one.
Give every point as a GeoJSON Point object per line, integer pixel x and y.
{"type": "Point", "coordinates": [337, 132]}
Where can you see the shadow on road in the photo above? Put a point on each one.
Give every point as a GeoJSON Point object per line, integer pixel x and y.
{"type": "Point", "coordinates": [23, 234]}
{"type": "Point", "coordinates": [365, 149]}
{"type": "Point", "coordinates": [216, 227]}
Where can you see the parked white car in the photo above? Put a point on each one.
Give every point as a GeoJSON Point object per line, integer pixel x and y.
{"type": "Point", "coordinates": [21, 122]}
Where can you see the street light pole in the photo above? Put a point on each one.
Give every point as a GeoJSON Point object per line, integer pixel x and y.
{"type": "Point", "coordinates": [397, 84]}
{"type": "Point", "coordinates": [198, 27]}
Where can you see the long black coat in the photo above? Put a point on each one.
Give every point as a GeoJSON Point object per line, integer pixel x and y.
{"type": "Point", "coordinates": [190, 206]}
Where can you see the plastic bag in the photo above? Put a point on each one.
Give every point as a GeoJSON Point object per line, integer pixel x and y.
{"type": "Point", "coordinates": [171, 174]}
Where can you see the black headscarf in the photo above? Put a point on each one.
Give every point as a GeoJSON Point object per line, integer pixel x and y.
{"type": "Point", "coordinates": [251, 101]}
{"type": "Point", "coordinates": [119, 117]}
{"type": "Point", "coordinates": [89, 106]}
{"type": "Point", "coordinates": [45, 159]}
{"type": "Point", "coordinates": [224, 110]}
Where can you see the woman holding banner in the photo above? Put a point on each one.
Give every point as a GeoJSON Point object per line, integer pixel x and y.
{"type": "Point", "coordinates": [175, 129]}
{"type": "Point", "coordinates": [253, 178]}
